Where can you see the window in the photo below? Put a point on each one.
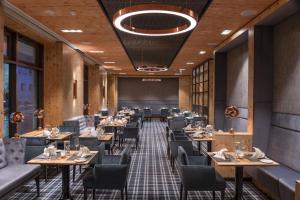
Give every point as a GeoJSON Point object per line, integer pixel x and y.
{"type": "Point", "coordinates": [200, 88]}
{"type": "Point", "coordinates": [22, 80]}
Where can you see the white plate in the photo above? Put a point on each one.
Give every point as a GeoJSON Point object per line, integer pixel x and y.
{"type": "Point", "coordinates": [268, 161]}
{"type": "Point", "coordinates": [80, 160]}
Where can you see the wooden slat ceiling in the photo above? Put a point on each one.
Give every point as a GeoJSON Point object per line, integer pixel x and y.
{"type": "Point", "coordinates": [98, 34]}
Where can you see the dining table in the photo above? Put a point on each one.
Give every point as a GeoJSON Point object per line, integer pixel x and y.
{"type": "Point", "coordinates": [65, 162]}
{"type": "Point", "coordinates": [40, 133]}
{"type": "Point", "coordinates": [239, 164]}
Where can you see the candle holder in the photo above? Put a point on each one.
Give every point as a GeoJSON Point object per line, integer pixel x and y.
{"type": "Point", "coordinates": [39, 114]}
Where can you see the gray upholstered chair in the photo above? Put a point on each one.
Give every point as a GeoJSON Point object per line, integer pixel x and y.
{"type": "Point", "coordinates": [147, 113]}
{"type": "Point", "coordinates": [164, 113]}
{"type": "Point", "coordinates": [177, 123]}
{"type": "Point", "coordinates": [198, 177]}
{"type": "Point", "coordinates": [109, 176]}
{"type": "Point", "coordinates": [131, 133]}
{"type": "Point", "coordinates": [175, 110]}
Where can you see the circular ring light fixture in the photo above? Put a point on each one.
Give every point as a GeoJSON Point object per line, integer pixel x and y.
{"type": "Point", "coordinates": [143, 9]}
{"type": "Point", "coordinates": [152, 69]}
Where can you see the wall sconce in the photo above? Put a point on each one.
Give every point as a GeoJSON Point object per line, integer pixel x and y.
{"type": "Point", "coordinates": [75, 89]}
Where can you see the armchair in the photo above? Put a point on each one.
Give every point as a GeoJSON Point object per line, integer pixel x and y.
{"type": "Point", "coordinates": [109, 176]}
{"type": "Point", "coordinates": [131, 133]}
{"type": "Point", "coordinates": [198, 177]}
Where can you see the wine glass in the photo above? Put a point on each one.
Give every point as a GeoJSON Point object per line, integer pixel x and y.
{"type": "Point", "coordinates": [76, 143]}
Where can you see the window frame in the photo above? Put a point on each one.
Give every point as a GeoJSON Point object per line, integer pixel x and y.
{"type": "Point", "coordinates": [12, 60]}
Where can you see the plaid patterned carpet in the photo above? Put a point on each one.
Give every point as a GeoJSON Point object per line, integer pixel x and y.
{"type": "Point", "coordinates": [150, 175]}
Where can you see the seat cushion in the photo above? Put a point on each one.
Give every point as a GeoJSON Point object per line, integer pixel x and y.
{"type": "Point", "coordinates": [287, 187]}
{"type": "Point", "coordinates": [3, 162]}
{"type": "Point", "coordinates": [14, 175]}
{"type": "Point", "coordinates": [269, 177]}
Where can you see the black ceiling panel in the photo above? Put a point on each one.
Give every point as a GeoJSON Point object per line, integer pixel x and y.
{"type": "Point", "coordinates": [147, 50]}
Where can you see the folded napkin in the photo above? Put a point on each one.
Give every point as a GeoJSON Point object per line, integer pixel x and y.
{"type": "Point", "coordinates": [189, 127]}
{"type": "Point", "coordinates": [209, 126]}
{"type": "Point", "coordinates": [46, 133]}
{"type": "Point", "coordinates": [84, 152]}
{"type": "Point", "coordinates": [198, 134]}
{"type": "Point", "coordinates": [258, 154]}
{"type": "Point", "coordinates": [221, 154]}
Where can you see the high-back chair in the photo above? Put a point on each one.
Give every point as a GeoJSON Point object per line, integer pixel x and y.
{"type": "Point", "coordinates": [198, 177]}
{"type": "Point", "coordinates": [164, 113]}
{"type": "Point", "coordinates": [175, 110]}
{"type": "Point", "coordinates": [131, 133]}
{"type": "Point", "coordinates": [177, 124]}
{"type": "Point", "coordinates": [147, 113]}
{"type": "Point", "coordinates": [109, 176]}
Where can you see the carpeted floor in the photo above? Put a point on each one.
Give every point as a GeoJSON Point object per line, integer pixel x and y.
{"type": "Point", "coordinates": [150, 175]}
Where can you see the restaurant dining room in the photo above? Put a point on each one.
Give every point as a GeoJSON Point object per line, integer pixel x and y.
{"type": "Point", "coordinates": [150, 100]}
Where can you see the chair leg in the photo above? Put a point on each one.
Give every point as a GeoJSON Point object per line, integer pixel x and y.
{"type": "Point", "coordinates": [80, 169]}
{"type": "Point", "coordinates": [185, 194]}
{"type": "Point", "coordinates": [223, 194]}
{"type": "Point", "coordinates": [46, 173]}
{"type": "Point", "coordinates": [122, 194]}
{"type": "Point", "coordinates": [37, 183]}
{"type": "Point", "coordinates": [74, 171]}
{"type": "Point", "coordinates": [136, 144]}
{"type": "Point", "coordinates": [214, 195]}
{"type": "Point", "coordinates": [126, 192]}
{"type": "Point", "coordinates": [181, 189]}
{"type": "Point", "coordinates": [85, 193]}
{"type": "Point", "coordinates": [94, 193]}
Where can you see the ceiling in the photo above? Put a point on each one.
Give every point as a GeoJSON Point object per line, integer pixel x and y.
{"type": "Point", "coordinates": [147, 50]}
{"type": "Point", "coordinates": [99, 35]}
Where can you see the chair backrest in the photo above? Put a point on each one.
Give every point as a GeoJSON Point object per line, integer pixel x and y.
{"type": "Point", "coordinates": [186, 145]}
{"type": "Point", "coordinates": [164, 112]}
{"type": "Point", "coordinates": [15, 150]}
{"type": "Point", "coordinates": [182, 156]}
{"type": "Point", "coordinates": [91, 143]}
{"type": "Point", "coordinates": [131, 132]}
{"type": "Point", "coordinates": [175, 110]}
{"type": "Point", "coordinates": [177, 123]}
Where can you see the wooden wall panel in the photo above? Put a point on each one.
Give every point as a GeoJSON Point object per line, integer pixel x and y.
{"type": "Point", "coordinates": [112, 93]}
{"type": "Point", "coordinates": [297, 193]}
{"type": "Point", "coordinates": [211, 93]}
{"type": "Point", "coordinates": [185, 92]}
{"type": "Point", "coordinates": [53, 82]}
{"type": "Point", "coordinates": [1, 70]}
{"type": "Point", "coordinates": [72, 70]}
{"type": "Point", "coordinates": [94, 88]}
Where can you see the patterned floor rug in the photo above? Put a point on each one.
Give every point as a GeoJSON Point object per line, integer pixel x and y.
{"type": "Point", "coordinates": [150, 175]}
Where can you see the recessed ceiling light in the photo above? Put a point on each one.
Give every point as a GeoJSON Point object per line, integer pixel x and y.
{"type": "Point", "coordinates": [213, 44]}
{"type": "Point", "coordinates": [182, 69]}
{"type": "Point", "coordinates": [73, 13]}
{"type": "Point", "coordinates": [202, 52]}
{"type": "Point", "coordinates": [190, 63]}
{"type": "Point", "coordinates": [116, 69]}
{"type": "Point", "coordinates": [49, 12]}
{"type": "Point", "coordinates": [71, 31]}
{"type": "Point", "coordinates": [150, 73]}
{"type": "Point", "coordinates": [109, 62]}
{"type": "Point", "coordinates": [248, 13]}
{"type": "Point", "coordinates": [226, 32]}
{"type": "Point", "coordinates": [122, 73]}
{"type": "Point", "coordinates": [96, 51]}
{"type": "Point", "coordinates": [86, 42]}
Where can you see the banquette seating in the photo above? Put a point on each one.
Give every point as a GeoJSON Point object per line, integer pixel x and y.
{"type": "Point", "coordinates": [283, 147]}
{"type": "Point", "coordinates": [13, 172]}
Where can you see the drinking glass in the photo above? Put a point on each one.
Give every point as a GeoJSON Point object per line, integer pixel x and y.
{"type": "Point", "coordinates": [76, 143]}
{"type": "Point", "coordinates": [67, 147]}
